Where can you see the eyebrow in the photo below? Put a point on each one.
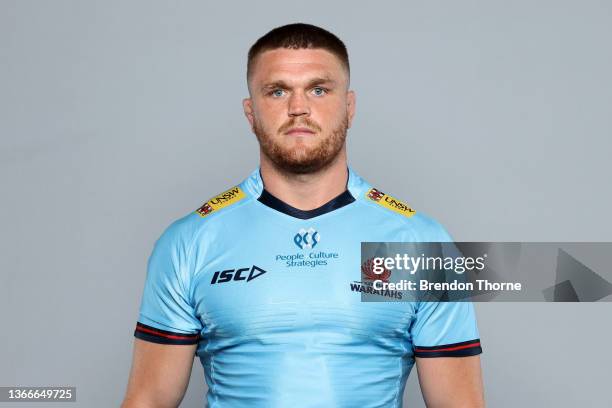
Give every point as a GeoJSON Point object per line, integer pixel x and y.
{"type": "Point", "coordinates": [282, 84]}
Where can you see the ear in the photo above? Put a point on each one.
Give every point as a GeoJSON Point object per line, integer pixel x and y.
{"type": "Point", "coordinates": [350, 106]}
{"type": "Point", "coordinates": [247, 106]}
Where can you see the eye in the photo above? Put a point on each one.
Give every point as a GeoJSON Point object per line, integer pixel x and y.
{"type": "Point", "coordinates": [319, 91]}
{"type": "Point", "coordinates": [277, 93]}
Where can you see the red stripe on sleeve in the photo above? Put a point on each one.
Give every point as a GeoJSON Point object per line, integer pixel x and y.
{"type": "Point", "coordinates": [448, 348]}
{"type": "Point", "coordinates": [168, 336]}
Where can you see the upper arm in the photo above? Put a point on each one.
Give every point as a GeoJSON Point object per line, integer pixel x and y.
{"type": "Point", "coordinates": [451, 382]}
{"type": "Point", "coordinates": [168, 328]}
{"type": "Point", "coordinates": [446, 346]}
{"type": "Point", "coordinates": [159, 376]}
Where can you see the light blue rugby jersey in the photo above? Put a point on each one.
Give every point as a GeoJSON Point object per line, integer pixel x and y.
{"type": "Point", "coordinates": [265, 291]}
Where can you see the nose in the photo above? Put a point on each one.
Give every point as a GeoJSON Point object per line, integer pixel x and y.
{"type": "Point", "coordinates": [298, 105]}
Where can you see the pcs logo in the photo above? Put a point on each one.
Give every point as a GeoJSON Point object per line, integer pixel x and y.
{"type": "Point", "coordinates": [241, 274]}
{"type": "Point", "coordinates": [306, 239]}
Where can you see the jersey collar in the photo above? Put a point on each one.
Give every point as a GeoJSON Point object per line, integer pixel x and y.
{"type": "Point", "coordinates": [254, 186]}
{"type": "Point", "coordinates": [340, 201]}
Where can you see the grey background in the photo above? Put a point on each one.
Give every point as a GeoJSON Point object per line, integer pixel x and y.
{"type": "Point", "coordinates": [117, 117]}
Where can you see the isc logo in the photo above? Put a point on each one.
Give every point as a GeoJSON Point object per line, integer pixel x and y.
{"type": "Point", "coordinates": [242, 274]}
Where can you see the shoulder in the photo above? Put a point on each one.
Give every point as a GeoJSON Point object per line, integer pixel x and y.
{"type": "Point", "coordinates": [222, 202]}
{"type": "Point", "coordinates": [185, 230]}
{"type": "Point", "coordinates": [420, 225]}
{"type": "Point", "coordinates": [389, 202]}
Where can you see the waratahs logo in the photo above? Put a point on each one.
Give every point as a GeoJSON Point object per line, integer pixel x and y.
{"type": "Point", "coordinates": [367, 271]}
{"type": "Point", "coordinates": [307, 239]}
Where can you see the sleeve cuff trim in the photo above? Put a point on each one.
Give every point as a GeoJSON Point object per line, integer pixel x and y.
{"type": "Point", "coordinates": [462, 349]}
{"type": "Point", "coordinates": [149, 333]}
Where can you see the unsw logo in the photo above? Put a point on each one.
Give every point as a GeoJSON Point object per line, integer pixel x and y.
{"type": "Point", "coordinates": [222, 200]}
{"type": "Point", "coordinates": [306, 239]}
{"type": "Point", "coordinates": [241, 274]}
{"type": "Point", "coordinates": [375, 194]}
{"type": "Point", "coordinates": [389, 202]}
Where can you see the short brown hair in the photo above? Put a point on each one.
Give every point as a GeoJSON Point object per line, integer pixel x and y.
{"type": "Point", "coordinates": [298, 36]}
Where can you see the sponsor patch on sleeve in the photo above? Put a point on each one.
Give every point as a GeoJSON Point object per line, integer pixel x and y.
{"type": "Point", "coordinates": [231, 196]}
{"type": "Point", "coordinates": [389, 202]}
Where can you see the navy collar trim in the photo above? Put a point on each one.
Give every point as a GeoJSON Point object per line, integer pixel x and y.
{"type": "Point", "coordinates": [340, 201]}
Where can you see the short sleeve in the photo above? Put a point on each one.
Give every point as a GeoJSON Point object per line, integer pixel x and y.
{"type": "Point", "coordinates": [445, 329]}
{"type": "Point", "coordinates": [167, 315]}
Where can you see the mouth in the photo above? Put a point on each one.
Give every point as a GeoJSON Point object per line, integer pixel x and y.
{"type": "Point", "coordinates": [299, 131]}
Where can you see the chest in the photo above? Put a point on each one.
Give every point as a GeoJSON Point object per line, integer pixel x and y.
{"type": "Point", "coordinates": [290, 284]}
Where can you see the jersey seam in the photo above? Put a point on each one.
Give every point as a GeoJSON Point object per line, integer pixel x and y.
{"type": "Point", "coordinates": [398, 387]}
{"type": "Point", "coordinates": [222, 211]}
{"type": "Point", "coordinates": [387, 211]}
{"type": "Point", "coordinates": [212, 379]}
{"type": "Point", "coordinates": [227, 209]}
{"type": "Point", "coordinates": [201, 228]}
{"type": "Point", "coordinates": [393, 214]}
{"type": "Point", "coordinates": [399, 379]}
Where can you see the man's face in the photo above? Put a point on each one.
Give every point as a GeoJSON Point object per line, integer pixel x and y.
{"type": "Point", "coordinates": [300, 108]}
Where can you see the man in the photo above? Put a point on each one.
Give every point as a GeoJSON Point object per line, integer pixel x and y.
{"type": "Point", "coordinates": [256, 282]}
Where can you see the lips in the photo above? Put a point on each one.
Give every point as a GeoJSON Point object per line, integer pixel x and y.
{"type": "Point", "coordinates": [300, 131]}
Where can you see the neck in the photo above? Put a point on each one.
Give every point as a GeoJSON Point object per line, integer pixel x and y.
{"type": "Point", "coordinates": [306, 191]}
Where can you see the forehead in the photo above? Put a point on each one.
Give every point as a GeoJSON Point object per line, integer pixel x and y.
{"type": "Point", "coordinates": [290, 64]}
